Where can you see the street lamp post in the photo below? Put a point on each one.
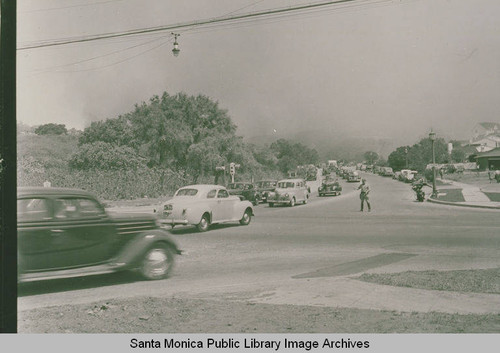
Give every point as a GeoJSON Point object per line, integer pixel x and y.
{"type": "Point", "coordinates": [406, 156]}
{"type": "Point", "coordinates": [432, 137]}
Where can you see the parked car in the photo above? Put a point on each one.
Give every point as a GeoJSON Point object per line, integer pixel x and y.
{"type": "Point", "coordinates": [246, 190]}
{"type": "Point", "coordinates": [68, 233]}
{"type": "Point", "coordinates": [204, 205]}
{"type": "Point", "coordinates": [264, 187]}
{"type": "Point", "coordinates": [330, 187]}
{"type": "Point", "coordinates": [289, 192]}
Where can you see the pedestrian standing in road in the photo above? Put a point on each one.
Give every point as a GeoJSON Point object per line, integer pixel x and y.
{"type": "Point", "coordinates": [365, 190]}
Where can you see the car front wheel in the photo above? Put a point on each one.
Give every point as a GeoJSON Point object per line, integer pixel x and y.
{"type": "Point", "coordinates": [157, 262]}
{"type": "Point", "coordinates": [292, 202]}
{"type": "Point", "coordinates": [247, 217]}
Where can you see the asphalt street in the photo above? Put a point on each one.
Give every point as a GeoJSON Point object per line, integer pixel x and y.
{"type": "Point", "coordinates": [310, 255]}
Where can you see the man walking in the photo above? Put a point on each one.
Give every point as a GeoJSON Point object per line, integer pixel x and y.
{"type": "Point", "coordinates": [365, 190]}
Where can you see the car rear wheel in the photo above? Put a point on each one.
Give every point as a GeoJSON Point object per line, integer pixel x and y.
{"type": "Point", "coordinates": [157, 262]}
{"type": "Point", "coordinates": [306, 199]}
{"type": "Point", "coordinates": [204, 223]}
{"type": "Point", "coordinates": [247, 217]}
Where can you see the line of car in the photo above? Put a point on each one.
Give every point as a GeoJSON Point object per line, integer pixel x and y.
{"type": "Point", "coordinates": [68, 233]}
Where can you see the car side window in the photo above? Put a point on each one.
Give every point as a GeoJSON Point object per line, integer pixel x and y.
{"type": "Point", "coordinates": [211, 194]}
{"type": "Point", "coordinates": [90, 208]}
{"type": "Point", "coordinates": [222, 194]}
{"type": "Point", "coordinates": [66, 209]}
{"type": "Point", "coordinates": [33, 210]}
{"type": "Point", "coordinates": [73, 208]}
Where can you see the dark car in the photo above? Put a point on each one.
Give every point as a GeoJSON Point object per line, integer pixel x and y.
{"type": "Point", "coordinates": [245, 190]}
{"type": "Point", "coordinates": [67, 233]}
{"type": "Point", "coordinates": [330, 187]}
{"type": "Point", "coordinates": [264, 187]}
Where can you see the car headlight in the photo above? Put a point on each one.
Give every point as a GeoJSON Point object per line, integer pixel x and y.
{"type": "Point", "coordinates": [287, 195]}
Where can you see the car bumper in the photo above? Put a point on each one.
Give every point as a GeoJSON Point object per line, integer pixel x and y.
{"type": "Point", "coordinates": [278, 200]}
{"type": "Point", "coordinates": [329, 193]}
{"type": "Point", "coordinates": [172, 222]}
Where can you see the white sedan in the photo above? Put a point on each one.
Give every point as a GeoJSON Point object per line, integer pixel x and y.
{"type": "Point", "coordinates": [204, 205]}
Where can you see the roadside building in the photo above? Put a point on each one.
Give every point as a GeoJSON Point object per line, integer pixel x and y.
{"type": "Point", "coordinates": [484, 129]}
{"type": "Point", "coordinates": [489, 160]}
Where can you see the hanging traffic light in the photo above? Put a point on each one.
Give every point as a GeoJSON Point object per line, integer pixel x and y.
{"type": "Point", "coordinates": [176, 49]}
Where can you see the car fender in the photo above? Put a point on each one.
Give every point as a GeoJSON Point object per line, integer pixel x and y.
{"type": "Point", "coordinates": [134, 250]}
{"type": "Point", "coordinates": [194, 214]}
{"type": "Point", "coordinates": [240, 207]}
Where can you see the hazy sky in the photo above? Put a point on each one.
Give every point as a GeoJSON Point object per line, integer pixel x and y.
{"type": "Point", "coordinates": [390, 69]}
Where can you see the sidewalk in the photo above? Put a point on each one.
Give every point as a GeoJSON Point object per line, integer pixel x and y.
{"type": "Point", "coordinates": [461, 194]}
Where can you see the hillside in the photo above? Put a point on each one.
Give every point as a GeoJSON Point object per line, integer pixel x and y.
{"type": "Point", "coordinates": [335, 145]}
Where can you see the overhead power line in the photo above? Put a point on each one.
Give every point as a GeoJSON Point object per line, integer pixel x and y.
{"type": "Point", "coordinates": [181, 25]}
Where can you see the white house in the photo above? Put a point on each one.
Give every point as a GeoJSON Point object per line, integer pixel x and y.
{"type": "Point", "coordinates": [485, 129]}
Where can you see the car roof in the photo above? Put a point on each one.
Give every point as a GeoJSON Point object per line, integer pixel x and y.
{"type": "Point", "coordinates": [291, 180]}
{"type": "Point", "coordinates": [50, 191]}
{"type": "Point", "coordinates": [203, 187]}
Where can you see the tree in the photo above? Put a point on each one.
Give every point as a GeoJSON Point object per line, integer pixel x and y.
{"type": "Point", "coordinates": [51, 129]}
{"type": "Point", "coordinates": [164, 129]}
{"type": "Point", "coordinates": [290, 155]}
{"type": "Point", "coordinates": [420, 154]}
{"type": "Point", "coordinates": [397, 159]}
{"type": "Point", "coordinates": [371, 157]}
{"type": "Point", "coordinates": [457, 155]}
{"type": "Point", "coordinates": [104, 156]}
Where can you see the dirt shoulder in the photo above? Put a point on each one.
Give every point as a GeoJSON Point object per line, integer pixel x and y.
{"type": "Point", "coordinates": [174, 315]}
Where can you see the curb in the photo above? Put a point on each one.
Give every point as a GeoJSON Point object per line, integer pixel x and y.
{"type": "Point", "coordinates": [461, 204]}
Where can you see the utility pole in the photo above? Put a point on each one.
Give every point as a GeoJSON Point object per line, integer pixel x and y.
{"type": "Point", "coordinates": [432, 137]}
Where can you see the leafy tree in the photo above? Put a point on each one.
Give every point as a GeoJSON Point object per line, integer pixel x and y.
{"type": "Point", "coordinates": [290, 155]}
{"type": "Point", "coordinates": [51, 129]}
{"type": "Point", "coordinates": [104, 156]}
{"type": "Point", "coordinates": [420, 154]}
{"type": "Point", "coordinates": [458, 155]}
{"type": "Point", "coordinates": [371, 157]}
{"type": "Point", "coordinates": [397, 159]}
{"type": "Point", "coordinates": [164, 129]}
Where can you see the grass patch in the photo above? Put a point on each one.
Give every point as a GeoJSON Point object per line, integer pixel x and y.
{"type": "Point", "coordinates": [452, 195]}
{"type": "Point", "coordinates": [493, 196]}
{"type": "Point", "coordinates": [476, 281]}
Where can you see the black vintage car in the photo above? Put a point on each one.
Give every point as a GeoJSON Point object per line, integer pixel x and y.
{"type": "Point", "coordinates": [67, 233]}
{"type": "Point", "coordinates": [246, 191]}
{"type": "Point", "coordinates": [330, 187]}
{"type": "Point", "coordinates": [264, 187]}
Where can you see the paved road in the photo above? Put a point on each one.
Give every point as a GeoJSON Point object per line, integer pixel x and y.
{"type": "Point", "coordinates": [310, 254]}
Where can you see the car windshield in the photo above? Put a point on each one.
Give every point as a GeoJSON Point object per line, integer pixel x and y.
{"type": "Point", "coordinates": [236, 186]}
{"type": "Point", "coordinates": [286, 184]}
{"type": "Point", "coordinates": [266, 184]}
{"type": "Point", "coordinates": [186, 192]}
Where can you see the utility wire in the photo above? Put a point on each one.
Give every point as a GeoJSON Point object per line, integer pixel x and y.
{"type": "Point", "coordinates": [305, 14]}
{"type": "Point", "coordinates": [71, 6]}
{"type": "Point", "coordinates": [358, 5]}
{"type": "Point", "coordinates": [184, 25]}
{"type": "Point", "coordinates": [48, 69]}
